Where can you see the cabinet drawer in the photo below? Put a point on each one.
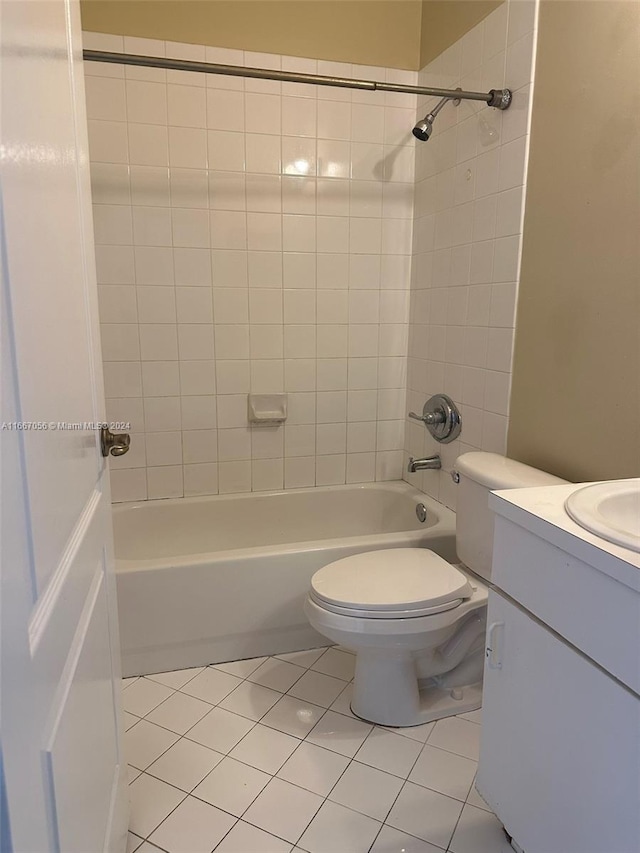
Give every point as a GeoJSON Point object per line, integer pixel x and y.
{"type": "Point", "coordinates": [594, 612]}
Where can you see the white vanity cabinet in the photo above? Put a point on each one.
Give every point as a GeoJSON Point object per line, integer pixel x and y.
{"type": "Point", "coordinates": [560, 751]}
{"type": "Point", "coordinates": [555, 764]}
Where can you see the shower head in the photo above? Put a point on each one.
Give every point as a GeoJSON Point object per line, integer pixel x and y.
{"type": "Point", "coordinates": [424, 128]}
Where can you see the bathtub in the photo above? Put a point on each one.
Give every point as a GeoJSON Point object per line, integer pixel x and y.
{"type": "Point", "coordinates": [210, 579]}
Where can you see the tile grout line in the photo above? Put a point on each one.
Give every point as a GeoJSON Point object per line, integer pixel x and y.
{"type": "Point", "coordinates": [384, 822]}
{"type": "Point", "coordinates": [325, 798]}
{"type": "Point", "coordinates": [184, 736]}
{"type": "Point", "coordinates": [325, 709]}
{"type": "Point", "coordinates": [181, 737]}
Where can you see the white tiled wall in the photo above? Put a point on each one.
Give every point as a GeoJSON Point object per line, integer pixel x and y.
{"type": "Point", "coordinates": [469, 201]}
{"type": "Point", "coordinates": [250, 236]}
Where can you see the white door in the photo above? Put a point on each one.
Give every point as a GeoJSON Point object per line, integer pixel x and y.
{"type": "Point", "coordinates": [560, 747]}
{"type": "Point", "coordinates": [61, 761]}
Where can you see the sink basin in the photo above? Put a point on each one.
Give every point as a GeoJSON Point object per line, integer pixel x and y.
{"type": "Point", "coordinates": [610, 510]}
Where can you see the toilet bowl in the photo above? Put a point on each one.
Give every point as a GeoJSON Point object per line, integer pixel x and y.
{"type": "Point", "coordinates": [416, 622]}
{"type": "Point", "coordinates": [410, 617]}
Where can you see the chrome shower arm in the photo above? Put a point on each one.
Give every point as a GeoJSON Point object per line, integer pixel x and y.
{"type": "Point", "coordinates": [434, 112]}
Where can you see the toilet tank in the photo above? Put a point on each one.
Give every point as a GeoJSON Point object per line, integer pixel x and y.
{"type": "Point", "coordinates": [481, 473]}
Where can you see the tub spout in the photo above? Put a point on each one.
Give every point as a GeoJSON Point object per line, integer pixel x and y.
{"type": "Point", "coordinates": [428, 462]}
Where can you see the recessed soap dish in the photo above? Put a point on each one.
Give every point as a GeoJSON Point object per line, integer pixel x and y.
{"type": "Point", "coordinates": [267, 409]}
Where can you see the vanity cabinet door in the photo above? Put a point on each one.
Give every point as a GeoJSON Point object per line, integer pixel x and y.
{"type": "Point", "coordinates": [560, 750]}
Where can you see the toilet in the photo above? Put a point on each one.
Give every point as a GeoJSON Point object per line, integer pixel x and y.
{"type": "Point", "coordinates": [416, 622]}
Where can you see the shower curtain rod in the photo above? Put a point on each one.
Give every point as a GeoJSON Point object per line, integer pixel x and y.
{"type": "Point", "coordinates": [498, 98]}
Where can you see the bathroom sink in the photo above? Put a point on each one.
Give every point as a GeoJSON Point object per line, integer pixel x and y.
{"type": "Point", "coordinates": [610, 510]}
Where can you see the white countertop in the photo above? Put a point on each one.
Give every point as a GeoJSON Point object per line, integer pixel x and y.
{"type": "Point", "coordinates": [541, 511]}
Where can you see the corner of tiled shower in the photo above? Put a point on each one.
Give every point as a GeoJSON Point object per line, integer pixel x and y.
{"type": "Point", "coordinates": [468, 215]}
{"type": "Point", "coordinates": [267, 237]}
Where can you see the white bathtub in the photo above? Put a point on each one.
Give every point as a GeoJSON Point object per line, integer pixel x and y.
{"type": "Point", "coordinates": [205, 580]}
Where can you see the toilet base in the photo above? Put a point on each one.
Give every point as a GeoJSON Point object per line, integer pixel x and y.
{"type": "Point", "coordinates": [387, 692]}
{"type": "Point", "coordinates": [409, 671]}
{"type": "Point", "coordinates": [434, 703]}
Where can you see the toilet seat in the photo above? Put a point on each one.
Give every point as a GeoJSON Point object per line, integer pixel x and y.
{"type": "Point", "coordinates": [385, 614]}
{"type": "Point", "coordinates": [390, 584]}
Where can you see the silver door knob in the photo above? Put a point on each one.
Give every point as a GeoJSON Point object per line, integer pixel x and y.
{"type": "Point", "coordinates": [114, 443]}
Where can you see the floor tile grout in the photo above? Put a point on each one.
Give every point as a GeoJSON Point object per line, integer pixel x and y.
{"type": "Point", "coordinates": [351, 759]}
{"type": "Point", "coordinates": [184, 736]}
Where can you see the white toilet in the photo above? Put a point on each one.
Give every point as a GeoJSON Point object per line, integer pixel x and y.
{"type": "Point", "coordinates": [416, 622]}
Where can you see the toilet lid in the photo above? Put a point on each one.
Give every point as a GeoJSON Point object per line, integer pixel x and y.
{"type": "Point", "coordinates": [397, 579]}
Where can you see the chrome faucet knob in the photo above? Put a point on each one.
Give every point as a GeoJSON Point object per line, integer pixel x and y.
{"type": "Point", "coordinates": [436, 417]}
{"type": "Point", "coordinates": [441, 417]}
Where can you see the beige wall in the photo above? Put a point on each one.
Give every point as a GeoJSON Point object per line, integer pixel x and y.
{"type": "Point", "coordinates": [368, 32]}
{"type": "Point", "coordinates": [393, 33]}
{"type": "Point", "coordinates": [575, 408]}
{"type": "Point", "coordinates": [445, 21]}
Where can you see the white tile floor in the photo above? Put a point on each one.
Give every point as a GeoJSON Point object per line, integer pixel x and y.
{"type": "Point", "coordinates": [264, 756]}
